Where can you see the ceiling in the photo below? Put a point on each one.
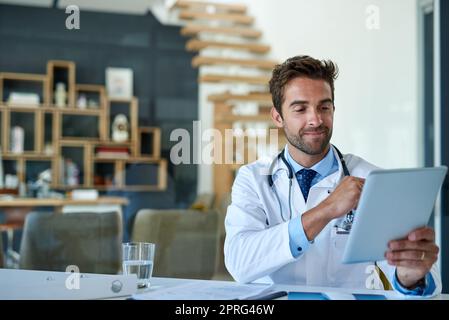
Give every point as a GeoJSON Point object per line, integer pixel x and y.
{"type": "Point", "coordinates": [139, 7]}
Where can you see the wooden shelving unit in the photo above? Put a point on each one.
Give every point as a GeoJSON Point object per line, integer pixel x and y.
{"type": "Point", "coordinates": [197, 45]}
{"type": "Point", "coordinates": [188, 4]}
{"type": "Point", "coordinates": [194, 29]}
{"type": "Point", "coordinates": [198, 61]}
{"type": "Point", "coordinates": [51, 123]}
{"type": "Point", "coordinates": [218, 78]}
{"type": "Point", "coordinates": [229, 17]}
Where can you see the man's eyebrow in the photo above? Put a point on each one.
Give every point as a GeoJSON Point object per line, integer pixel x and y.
{"type": "Point", "coordinates": [325, 101]}
{"type": "Point", "coordinates": [305, 102]}
{"type": "Point", "coordinates": [296, 102]}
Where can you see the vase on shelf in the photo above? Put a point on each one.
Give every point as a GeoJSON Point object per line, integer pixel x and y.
{"type": "Point", "coordinates": [60, 95]}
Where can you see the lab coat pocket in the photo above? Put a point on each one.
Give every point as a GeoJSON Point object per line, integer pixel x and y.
{"type": "Point", "coordinates": [339, 274]}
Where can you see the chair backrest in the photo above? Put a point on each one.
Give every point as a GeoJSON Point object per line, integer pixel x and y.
{"type": "Point", "coordinates": [91, 241]}
{"type": "Point", "coordinates": [203, 202]}
{"type": "Point", "coordinates": [186, 241]}
{"type": "Point", "coordinates": [1, 251]}
{"type": "Point", "coordinates": [221, 273]}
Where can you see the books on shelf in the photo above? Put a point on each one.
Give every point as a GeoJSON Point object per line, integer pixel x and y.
{"type": "Point", "coordinates": [21, 98]}
{"type": "Point", "coordinates": [112, 152]}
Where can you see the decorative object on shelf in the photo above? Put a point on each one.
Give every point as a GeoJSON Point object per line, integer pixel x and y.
{"type": "Point", "coordinates": [81, 103]}
{"type": "Point", "coordinates": [17, 139]}
{"type": "Point", "coordinates": [120, 128]}
{"type": "Point", "coordinates": [11, 181]}
{"type": "Point", "coordinates": [21, 98]}
{"type": "Point", "coordinates": [92, 104]}
{"type": "Point", "coordinates": [119, 83]}
{"type": "Point", "coordinates": [110, 152]}
{"type": "Point", "coordinates": [72, 173]}
{"type": "Point", "coordinates": [84, 194]}
{"type": "Point", "coordinates": [246, 109]}
{"type": "Point", "coordinates": [60, 95]}
{"type": "Point", "coordinates": [48, 149]}
{"type": "Point", "coordinates": [43, 184]}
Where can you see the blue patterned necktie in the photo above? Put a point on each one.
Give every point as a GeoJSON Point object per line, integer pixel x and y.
{"type": "Point", "coordinates": [305, 177]}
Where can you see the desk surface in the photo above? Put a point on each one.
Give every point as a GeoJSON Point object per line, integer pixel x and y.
{"type": "Point", "coordinates": [51, 285]}
{"type": "Point", "coordinates": [34, 202]}
{"type": "Point", "coordinates": [160, 283]}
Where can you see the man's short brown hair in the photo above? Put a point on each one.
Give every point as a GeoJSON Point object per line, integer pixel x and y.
{"type": "Point", "coordinates": [296, 67]}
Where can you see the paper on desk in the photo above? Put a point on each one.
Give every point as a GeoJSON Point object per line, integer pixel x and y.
{"type": "Point", "coordinates": [206, 291]}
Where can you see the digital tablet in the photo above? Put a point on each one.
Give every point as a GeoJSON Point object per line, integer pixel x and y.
{"type": "Point", "coordinates": [392, 203]}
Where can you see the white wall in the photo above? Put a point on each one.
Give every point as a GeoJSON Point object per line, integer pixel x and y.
{"type": "Point", "coordinates": [377, 106]}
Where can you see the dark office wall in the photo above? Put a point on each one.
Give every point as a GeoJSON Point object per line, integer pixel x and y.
{"type": "Point", "coordinates": [444, 27]}
{"type": "Point", "coordinates": [164, 81]}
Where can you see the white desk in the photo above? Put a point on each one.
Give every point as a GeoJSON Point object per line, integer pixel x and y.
{"type": "Point", "coordinates": [160, 283]}
{"type": "Point", "coordinates": [26, 284]}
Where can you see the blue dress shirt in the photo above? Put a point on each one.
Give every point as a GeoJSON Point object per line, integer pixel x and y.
{"type": "Point", "coordinates": [328, 165]}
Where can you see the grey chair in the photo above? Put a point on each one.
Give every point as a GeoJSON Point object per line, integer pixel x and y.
{"type": "Point", "coordinates": [186, 241]}
{"type": "Point", "coordinates": [1, 251]}
{"type": "Point", "coordinates": [91, 241]}
{"type": "Point", "coordinates": [221, 273]}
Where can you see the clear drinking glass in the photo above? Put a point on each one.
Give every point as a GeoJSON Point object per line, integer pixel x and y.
{"type": "Point", "coordinates": [138, 258]}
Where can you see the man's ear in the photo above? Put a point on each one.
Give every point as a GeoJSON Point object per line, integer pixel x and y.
{"type": "Point", "coordinates": [277, 118]}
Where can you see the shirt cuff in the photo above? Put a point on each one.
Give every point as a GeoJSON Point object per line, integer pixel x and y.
{"type": "Point", "coordinates": [298, 239]}
{"type": "Point", "coordinates": [427, 289]}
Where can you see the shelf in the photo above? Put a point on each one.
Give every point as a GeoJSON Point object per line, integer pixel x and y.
{"type": "Point", "coordinates": [24, 107]}
{"type": "Point", "coordinates": [194, 29]}
{"type": "Point", "coordinates": [101, 159]}
{"type": "Point", "coordinates": [252, 97]}
{"type": "Point", "coordinates": [242, 118]}
{"type": "Point", "coordinates": [27, 156]}
{"type": "Point", "coordinates": [90, 90]}
{"type": "Point", "coordinates": [227, 17]}
{"type": "Point", "coordinates": [197, 44]}
{"type": "Point", "coordinates": [76, 111]}
{"type": "Point", "coordinates": [213, 78]}
{"type": "Point", "coordinates": [183, 4]}
{"type": "Point", "coordinates": [112, 143]}
{"type": "Point", "coordinates": [198, 61]}
{"type": "Point", "coordinates": [48, 108]}
{"type": "Point", "coordinates": [25, 77]}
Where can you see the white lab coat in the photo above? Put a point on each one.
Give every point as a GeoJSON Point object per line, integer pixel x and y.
{"type": "Point", "coordinates": [257, 238]}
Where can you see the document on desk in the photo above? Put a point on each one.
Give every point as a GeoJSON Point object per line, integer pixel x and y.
{"type": "Point", "coordinates": [211, 291]}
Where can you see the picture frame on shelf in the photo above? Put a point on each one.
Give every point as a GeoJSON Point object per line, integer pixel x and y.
{"type": "Point", "coordinates": [119, 83]}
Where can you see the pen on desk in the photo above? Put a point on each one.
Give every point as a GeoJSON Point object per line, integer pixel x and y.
{"type": "Point", "coordinates": [273, 295]}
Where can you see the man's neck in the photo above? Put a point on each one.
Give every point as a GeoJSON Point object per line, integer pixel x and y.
{"type": "Point", "coordinates": [304, 159]}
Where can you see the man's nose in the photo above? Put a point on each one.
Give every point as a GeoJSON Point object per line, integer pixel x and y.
{"type": "Point", "coordinates": [314, 118]}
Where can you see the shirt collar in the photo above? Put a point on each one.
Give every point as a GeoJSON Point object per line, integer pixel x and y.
{"type": "Point", "coordinates": [323, 167]}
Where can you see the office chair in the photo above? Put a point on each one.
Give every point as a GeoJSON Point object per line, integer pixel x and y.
{"type": "Point", "coordinates": [90, 241]}
{"type": "Point", "coordinates": [186, 241]}
{"type": "Point", "coordinates": [1, 252]}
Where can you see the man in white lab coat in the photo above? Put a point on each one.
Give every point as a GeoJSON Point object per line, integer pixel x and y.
{"type": "Point", "coordinates": [284, 224]}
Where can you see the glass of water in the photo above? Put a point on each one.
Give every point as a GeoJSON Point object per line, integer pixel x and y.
{"type": "Point", "coordinates": [138, 258]}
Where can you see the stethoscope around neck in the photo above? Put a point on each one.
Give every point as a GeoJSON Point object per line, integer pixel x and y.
{"type": "Point", "coordinates": [347, 222]}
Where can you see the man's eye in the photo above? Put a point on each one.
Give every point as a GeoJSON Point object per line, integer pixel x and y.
{"type": "Point", "coordinates": [326, 107]}
{"type": "Point", "coordinates": [299, 110]}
